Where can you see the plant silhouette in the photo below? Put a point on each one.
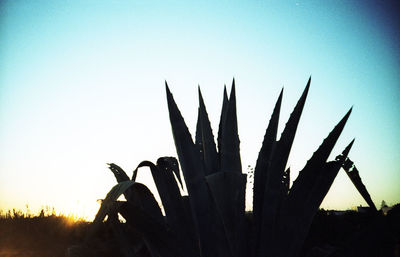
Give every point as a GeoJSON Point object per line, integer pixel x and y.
{"type": "Point", "coordinates": [211, 220]}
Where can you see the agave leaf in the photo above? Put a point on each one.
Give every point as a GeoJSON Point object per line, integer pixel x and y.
{"type": "Point", "coordinates": [188, 155]}
{"type": "Point", "coordinates": [119, 173]}
{"type": "Point", "coordinates": [147, 202]}
{"type": "Point", "coordinates": [286, 182]}
{"type": "Point", "coordinates": [111, 197]}
{"type": "Point", "coordinates": [174, 206]}
{"type": "Point", "coordinates": [172, 166]}
{"type": "Point", "coordinates": [205, 139]}
{"type": "Point", "coordinates": [228, 191]}
{"type": "Point", "coordinates": [273, 193]}
{"type": "Point", "coordinates": [284, 144]}
{"type": "Point", "coordinates": [189, 213]}
{"type": "Point", "coordinates": [163, 242]}
{"type": "Point", "coordinates": [193, 172]}
{"type": "Point", "coordinates": [263, 161]}
{"type": "Point", "coordinates": [325, 179]}
{"type": "Point", "coordinates": [121, 176]}
{"type": "Point", "coordinates": [303, 184]}
{"type": "Point", "coordinates": [301, 190]}
{"type": "Point", "coordinates": [167, 187]}
{"type": "Point", "coordinates": [198, 138]}
{"type": "Point", "coordinates": [107, 205]}
{"type": "Point", "coordinates": [222, 120]}
{"type": "Point", "coordinates": [356, 179]}
{"type": "Point", "coordinates": [352, 172]}
{"type": "Point", "coordinates": [306, 194]}
{"type": "Point", "coordinates": [129, 241]}
{"type": "Point", "coordinates": [146, 210]}
{"type": "Point", "coordinates": [157, 175]}
{"type": "Point", "coordinates": [294, 228]}
{"type": "Point", "coordinates": [230, 151]}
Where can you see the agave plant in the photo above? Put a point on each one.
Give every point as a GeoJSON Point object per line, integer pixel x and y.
{"type": "Point", "coordinates": [352, 172]}
{"type": "Point", "coordinates": [211, 220]}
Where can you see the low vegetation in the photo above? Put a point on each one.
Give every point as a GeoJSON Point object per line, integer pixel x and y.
{"type": "Point", "coordinates": [24, 234]}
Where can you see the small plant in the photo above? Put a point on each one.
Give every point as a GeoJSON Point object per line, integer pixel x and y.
{"type": "Point", "coordinates": [211, 221]}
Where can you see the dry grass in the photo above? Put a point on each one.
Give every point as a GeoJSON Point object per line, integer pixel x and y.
{"type": "Point", "coordinates": [45, 234]}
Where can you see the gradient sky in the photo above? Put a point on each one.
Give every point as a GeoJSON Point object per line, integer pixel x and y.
{"type": "Point", "coordinates": [82, 84]}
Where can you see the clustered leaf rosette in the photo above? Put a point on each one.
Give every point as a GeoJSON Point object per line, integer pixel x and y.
{"type": "Point", "coordinates": [210, 221]}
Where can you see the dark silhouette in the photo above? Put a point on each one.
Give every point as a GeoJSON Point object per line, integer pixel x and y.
{"type": "Point", "coordinates": [354, 176]}
{"type": "Point", "coordinates": [45, 234]}
{"type": "Point", "coordinates": [354, 234]}
{"type": "Point", "coordinates": [211, 220]}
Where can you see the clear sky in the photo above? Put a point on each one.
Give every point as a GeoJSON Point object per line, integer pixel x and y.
{"type": "Point", "coordinates": [82, 84]}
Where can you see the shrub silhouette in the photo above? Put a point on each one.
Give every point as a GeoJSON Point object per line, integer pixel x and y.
{"type": "Point", "coordinates": [211, 220]}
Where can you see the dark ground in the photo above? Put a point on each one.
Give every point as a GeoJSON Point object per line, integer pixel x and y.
{"type": "Point", "coordinates": [350, 234]}
{"type": "Point", "coordinates": [42, 236]}
{"type": "Point", "coordinates": [354, 234]}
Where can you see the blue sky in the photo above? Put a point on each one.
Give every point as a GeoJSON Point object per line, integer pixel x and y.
{"type": "Point", "coordinates": [82, 84]}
